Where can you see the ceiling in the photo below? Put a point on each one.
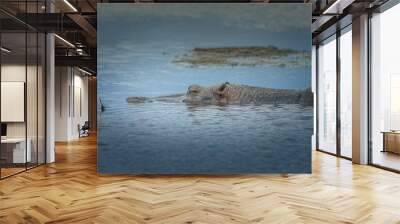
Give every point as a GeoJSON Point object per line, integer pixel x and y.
{"type": "Point", "coordinates": [75, 21]}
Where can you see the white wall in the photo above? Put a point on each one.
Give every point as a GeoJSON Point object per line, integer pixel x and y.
{"type": "Point", "coordinates": [12, 73]}
{"type": "Point", "coordinates": [62, 83]}
{"type": "Point", "coordinates": [71, 102]}
{"type": "Point", "coordinates": [314, 90]}
{"type": "Point", "coordinates": [79, 110]}
{"type": "Point", "coordinates": [17, 73]}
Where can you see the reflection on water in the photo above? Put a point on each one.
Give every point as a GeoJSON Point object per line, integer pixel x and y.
{"type": "Point", "coordinates": [178, 138]}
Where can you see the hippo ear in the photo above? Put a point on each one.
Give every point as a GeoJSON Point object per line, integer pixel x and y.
{"type": "Point", "coordinates": [194, 88]}
{"type": "Point", "coordinates": [222, 87]}
{"type": "Point", "coordinates": [221, 91]}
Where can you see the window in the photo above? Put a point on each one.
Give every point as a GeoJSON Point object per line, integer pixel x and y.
{"type": "Point", "coordinates": [346, 92]}
{"type": "Point", "coordinates": [22, 77]}
{"type": "Point", "coordinates": [327, 95]}
{"type": "Point", "coordinates": [385, 89]}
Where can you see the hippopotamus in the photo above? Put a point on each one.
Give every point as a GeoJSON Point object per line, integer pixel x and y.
{"type": "Point", "coordinates": [176, 98]}
{"type": "Point", "coordinates": [227, 93]}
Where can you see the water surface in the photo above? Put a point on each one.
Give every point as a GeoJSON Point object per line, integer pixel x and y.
{"type": "Point", "coordinates": [170, 138]}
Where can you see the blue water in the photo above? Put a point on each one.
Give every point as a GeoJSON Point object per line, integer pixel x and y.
{"type": "Point", "coordinates": [174, 138]}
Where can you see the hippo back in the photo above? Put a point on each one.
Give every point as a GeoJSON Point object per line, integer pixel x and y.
{"type": "Point", "coordinates": [243, 94]}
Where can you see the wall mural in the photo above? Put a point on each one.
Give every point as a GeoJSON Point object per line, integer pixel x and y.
{"type": "Point", "coordinates": [204, 88]}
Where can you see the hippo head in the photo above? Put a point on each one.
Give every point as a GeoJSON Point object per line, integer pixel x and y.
{"type": "Point", "coordinates": [198, 94]}
{"type": "Point", "coordinates": [205, 95]}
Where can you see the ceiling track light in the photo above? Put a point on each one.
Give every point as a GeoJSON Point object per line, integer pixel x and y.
{"type": "Point", "coordinates": [70, 5]}
{"type": "Point", "coordinates": [84, 71]}
{"type": "Point", "coordinates": [5, 50]}
{"type": "Point", "coordinates": [332, 7]}
{"type": "Point", "coordinates": [64, 40]}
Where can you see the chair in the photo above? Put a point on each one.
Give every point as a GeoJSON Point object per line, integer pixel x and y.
{"type": "Point", "coordinates": [84, 130]}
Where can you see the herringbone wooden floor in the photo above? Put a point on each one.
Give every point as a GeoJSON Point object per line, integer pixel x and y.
{"type": "Point", "coordinates": [70, 191]}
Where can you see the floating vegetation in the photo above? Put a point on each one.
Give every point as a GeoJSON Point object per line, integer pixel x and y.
{"type": "Point", "coordinates": [243, 57]}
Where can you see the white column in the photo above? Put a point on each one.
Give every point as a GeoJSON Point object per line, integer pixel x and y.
{"type": "Point", "coordinates": [314, 90]}
{"type": "Point", "coordinates": [50, 93]}
{"type": "Point", "coordinates": [360, 90]}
